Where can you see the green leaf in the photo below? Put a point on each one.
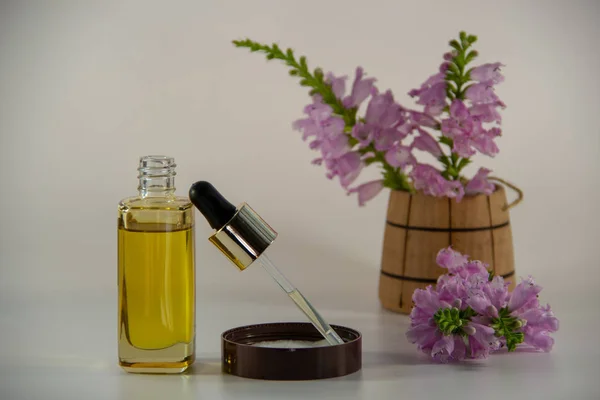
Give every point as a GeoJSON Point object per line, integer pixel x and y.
{"type": "Point", "coordinates": [471, 55]}
{"type": "Point", "coordinates": [318, 74]}
{"type": "Point", "coordinates": [293, 72]}
{"type": "Point", "coordinates": [451, 76]}
{"type": "Point", "coordinates": [451, 320]}
{"type": "Point", "coordinates": [455, 45]}
{"type": "Point", "coordinates": [454, 157]}
{"type": "Point", "coordinates": [463, 163]}
{"type": "Point", "coordinates": [471, 38]}
{"type": "Point", "coordinates": [303, 63]}
{"type": "Point", "coordinates": [447, 141]}
{"type": "Point", "coordinates": [370, 161]}
{"type": "Point", "coordinates": [506, 326]}
{"type": "Point", "coordinates": [453, 68]}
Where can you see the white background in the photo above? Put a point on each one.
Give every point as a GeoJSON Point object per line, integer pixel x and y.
{"type": "Point", "coordinates": [88, 87]}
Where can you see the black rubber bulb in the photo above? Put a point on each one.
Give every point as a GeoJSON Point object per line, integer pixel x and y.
{"type": "Point", "coordinates": [215, 208]}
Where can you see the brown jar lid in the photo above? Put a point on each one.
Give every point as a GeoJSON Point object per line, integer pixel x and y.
{"type": "Point", "coordinates": [242, 358]}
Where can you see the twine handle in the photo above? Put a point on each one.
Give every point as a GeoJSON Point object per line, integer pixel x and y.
{"type": "Point", "coordinates": [513, 187]}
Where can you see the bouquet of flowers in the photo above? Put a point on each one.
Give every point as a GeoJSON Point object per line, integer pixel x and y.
{"type": "Point", "coordinates": [470, 313]}
{"type": "Point", "coordinates": [458, 116]}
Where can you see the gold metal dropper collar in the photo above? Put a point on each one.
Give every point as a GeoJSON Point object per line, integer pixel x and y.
{"type": "Point", "coordinates": [244, 238]}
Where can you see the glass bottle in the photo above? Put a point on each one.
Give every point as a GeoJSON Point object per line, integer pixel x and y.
{"type": "Point", "coordinates": [156, 273]}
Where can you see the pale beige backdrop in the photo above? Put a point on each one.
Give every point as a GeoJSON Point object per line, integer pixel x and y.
{"type": "Point", "coordinates": [86, 87]}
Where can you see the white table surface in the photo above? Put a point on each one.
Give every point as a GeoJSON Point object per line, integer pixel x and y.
{"type": "Point", "coordinates": [63, 345]}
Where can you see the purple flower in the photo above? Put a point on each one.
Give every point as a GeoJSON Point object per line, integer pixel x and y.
{"type": "Point", "coordinates": [483, 93]}
{"type": "Point", "coordinates": [427, 143]}
{"type": "Point", "coordinates": [423, 331]}
{"type": "Point", "coordinates": [386, 139]}
{"type": "Point", "coordinates": [539, 323]}
{"type": "Point", "coordinates": [399, 156]}
{"type": "Point", "coordinates": [432, 183]}
{"type": "Point", "coordinates": [480, 184]}
{"type": "Point", "coordinates": [338, 84]}
{"type": "Point", "coordinates": [331, 147]}
{"type": "Point", "coordinates": [423, 119]}
{"type": "Point", "coordinates": [443, 348]}
{"type": "Point", "coordinates": [489, 73]}
{"type": "Point", "coordinates": [538, 339]}
{"type": "Point", "coordinates": [383, 111]}
{"type": "Point", "coordinates": [524, 292]}
{"type": "Point", "coordinates": [432, 94]}
{"type": "Point", "coordinates": [347, 167]}
{"type": "Point", "coordinates": [479, 301]}
{"type": "Point", "coordinates": [469, 316]}
{"type": "Point", "coordinates": [497, 291]}
{"type": "Point", "coordinates": [450, 55]}
{"type": "Point", "coordinates": [451, 259]}
{"type": "Point", "coordinates": [320, 122]}
{"type": "Point", "coordinates": [367, 191]}
{"type": "Point", "coordinates": [382, 120]}
{"type": "Point", "coordinates": [424, 335]}
{"type": "Point", "coordinates": [441, 332]}
{"type": "Point", "coordinates": [467, 132]}
{"type": "Point", "coordinates": [482, 341]}
{"type": "Point", "coordinates": [361, 89]}
{"type": "Point", "coordinates": [428, 300]}
{"type": "Point", "coordinates": [329, 138]}
{"type": "Point", "coordinates": [453, 290]}
{"type": "Point", "coordinates": [362, 133]}
{"type": "Point", "coordinates": [485, 113]}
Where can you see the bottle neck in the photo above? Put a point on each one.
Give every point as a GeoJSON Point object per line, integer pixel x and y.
{"type": "Point", "coordinates": [156, 176]}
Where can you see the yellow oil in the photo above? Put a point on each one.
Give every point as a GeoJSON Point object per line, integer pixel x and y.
{"type": "Point", "coordinates": [156, 286]}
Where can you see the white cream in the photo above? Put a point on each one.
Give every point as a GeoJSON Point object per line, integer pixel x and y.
{"type": "Point", "coordinates": [291, 344]}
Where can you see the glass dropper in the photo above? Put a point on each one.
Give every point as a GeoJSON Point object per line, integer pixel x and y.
{"type": "Point", "coordinates": [243, 236]}
{"type": "Point", "coordinates": [303, 304]}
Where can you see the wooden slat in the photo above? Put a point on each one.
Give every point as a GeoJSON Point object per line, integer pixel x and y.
{"type": "Point", "coordinates": [408, 289]}
{"type": "Point", "coordinates": [393, 250]}
{"type": "Point", "coordinates": [421, 251]}
{"type": "Point", "coordinates": [504, 255]}
{"type": "Point", "coordinates": [470, 212]}
{"type": "Point", "coordinates": [390, 293]}
{"type": "Point", "coordinates": [398, 207]}
{"type": "Point", "coordinates": [477, 245]}
{"type": "Point", "coordinates": [429, 211]}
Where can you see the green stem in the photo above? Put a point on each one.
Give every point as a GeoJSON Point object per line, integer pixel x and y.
{"type": "Point", "coordinates": [394, 178]}
{"type": "Point", "coordinates": [457, 75]}
{"type": "Point", "coordinates": [507, 326]}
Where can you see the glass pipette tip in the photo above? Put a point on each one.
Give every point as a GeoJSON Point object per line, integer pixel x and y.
{"type": "Point", "coordinates": [303, 304]}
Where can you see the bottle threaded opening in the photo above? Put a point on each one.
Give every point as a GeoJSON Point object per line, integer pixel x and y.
{"type": "Point", "coordinates": [156, 174]}
{"type": "Point", "coordinates": [156, 166]}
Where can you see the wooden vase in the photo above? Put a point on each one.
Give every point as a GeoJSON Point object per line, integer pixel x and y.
{"type": "Point", "coordinates": [419, 226]}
